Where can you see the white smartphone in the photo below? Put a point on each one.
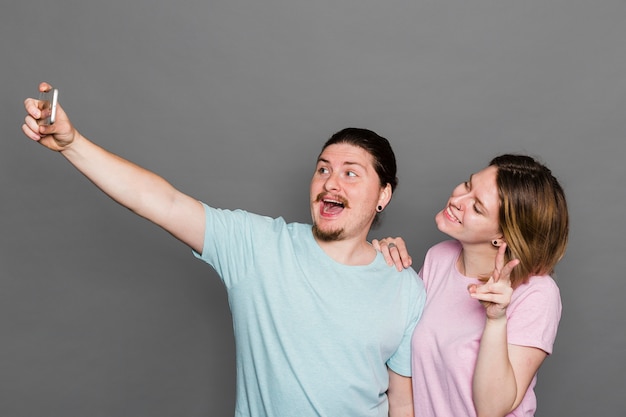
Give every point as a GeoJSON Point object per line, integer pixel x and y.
{"type": "Point", "coordinates": [49, 100]}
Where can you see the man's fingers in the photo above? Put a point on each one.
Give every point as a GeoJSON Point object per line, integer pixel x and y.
{"type": "Point", "coordinates": [44, 86]}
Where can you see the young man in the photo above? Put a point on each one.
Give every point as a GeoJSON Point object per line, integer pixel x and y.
{"type": "Point", "coordinates": [322, 324]}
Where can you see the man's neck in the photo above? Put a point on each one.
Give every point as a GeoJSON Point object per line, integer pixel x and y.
{"type": "Point", "coordinates": [349, 252]}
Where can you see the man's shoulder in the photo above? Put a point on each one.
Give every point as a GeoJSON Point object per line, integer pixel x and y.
{"type": "Point", "coordinates": [412, 276]}
{"type": "Point", "coordinates": [407, 276]}
{"type": "Point", "coordinates": [241, 215]}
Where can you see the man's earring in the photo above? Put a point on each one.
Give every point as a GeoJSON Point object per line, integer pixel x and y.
{"type": "Point", "coordinates": [379, 209]}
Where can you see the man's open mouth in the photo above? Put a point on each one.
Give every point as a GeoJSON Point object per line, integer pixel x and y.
{"type": "Point", "coordinates": [332, 206]}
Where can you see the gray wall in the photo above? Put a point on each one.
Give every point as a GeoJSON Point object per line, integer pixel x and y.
{"type": "Point", "coordinates": [103, 314]}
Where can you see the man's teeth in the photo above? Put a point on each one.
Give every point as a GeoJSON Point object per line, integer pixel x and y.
{"type": "Point", "coordinates": [335, 202]}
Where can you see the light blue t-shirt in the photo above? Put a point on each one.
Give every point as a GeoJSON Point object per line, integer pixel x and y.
{"type": "Point", "coordinates": [314, 337]}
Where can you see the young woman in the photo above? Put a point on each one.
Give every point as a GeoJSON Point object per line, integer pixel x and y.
{"type": "Point", "coordinates": [485, 331]}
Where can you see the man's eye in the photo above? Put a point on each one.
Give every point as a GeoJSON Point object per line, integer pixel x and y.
{"type": "Point", "coordinates": [323, 170]}
{"type": "Point", "coordinates": [351, 174]}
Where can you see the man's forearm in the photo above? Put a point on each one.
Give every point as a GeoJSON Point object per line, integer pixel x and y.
{"type": "Point", "coordinates": [400, 395]}
{"type": "Point", "coordinates": [132, 186]}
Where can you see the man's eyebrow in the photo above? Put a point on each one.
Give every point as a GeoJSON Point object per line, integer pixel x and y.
{"type": "Point", "coordinates": [320, 159]}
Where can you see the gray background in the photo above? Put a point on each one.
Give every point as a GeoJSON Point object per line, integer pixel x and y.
{"type": "Point", "coordinates": [103, 314]}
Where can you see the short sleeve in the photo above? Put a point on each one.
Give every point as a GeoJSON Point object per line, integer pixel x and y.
{"type": "Point", "coordinates": [534, 314]}
{"type": "Point", "coordinates": [400, 362]}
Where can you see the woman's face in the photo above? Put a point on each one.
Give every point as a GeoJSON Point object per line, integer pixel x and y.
{"type": "Point", "coordinates": [471, 215]}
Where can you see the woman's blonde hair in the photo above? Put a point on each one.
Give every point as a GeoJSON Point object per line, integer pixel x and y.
{"type": "Point", "coordinates": [533, 215]}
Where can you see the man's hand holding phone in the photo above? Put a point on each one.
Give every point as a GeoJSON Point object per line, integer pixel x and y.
{"type": "Point", "coordinates": [46, 122]}
{"type": "Point", "coordinates": [48, 105]}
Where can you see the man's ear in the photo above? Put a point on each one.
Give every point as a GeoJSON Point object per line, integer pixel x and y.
{"type": "Point", "coordinates": [385, 196]}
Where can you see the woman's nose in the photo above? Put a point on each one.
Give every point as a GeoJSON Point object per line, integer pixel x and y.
{"type": "Point", "coordinates": [457, 201]}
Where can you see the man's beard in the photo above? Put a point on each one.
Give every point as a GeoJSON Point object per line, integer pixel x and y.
{"type": "Point", "coordinates": [330, 236]}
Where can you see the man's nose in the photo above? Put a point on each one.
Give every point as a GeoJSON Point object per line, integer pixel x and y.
{"type": "Point", "coordinates": [332, 182]}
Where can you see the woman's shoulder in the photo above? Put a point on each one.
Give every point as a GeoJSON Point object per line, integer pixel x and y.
{"type": "Point", "coordinates": [443, 252]}
{"type": "Point", "coordinates": [544, 283]}
{"type": "Point", "coordinates": [541, 289]}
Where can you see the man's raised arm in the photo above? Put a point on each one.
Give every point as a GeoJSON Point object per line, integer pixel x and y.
{"type": "Point", "coordinates": [132, 186]}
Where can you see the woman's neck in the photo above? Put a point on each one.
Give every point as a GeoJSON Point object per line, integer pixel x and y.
{"type": "Point", "coordinates": [477, 261]}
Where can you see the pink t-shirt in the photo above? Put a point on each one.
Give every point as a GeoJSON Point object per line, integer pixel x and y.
{"type": "Point", "coordinates": [446, 340]}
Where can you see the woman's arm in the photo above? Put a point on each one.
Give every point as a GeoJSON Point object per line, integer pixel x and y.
{"type": "Point", "coordinates": [503, 371]}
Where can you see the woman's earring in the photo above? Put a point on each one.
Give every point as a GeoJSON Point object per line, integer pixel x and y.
{"type": "Point", "coordinates": [495, 243]}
